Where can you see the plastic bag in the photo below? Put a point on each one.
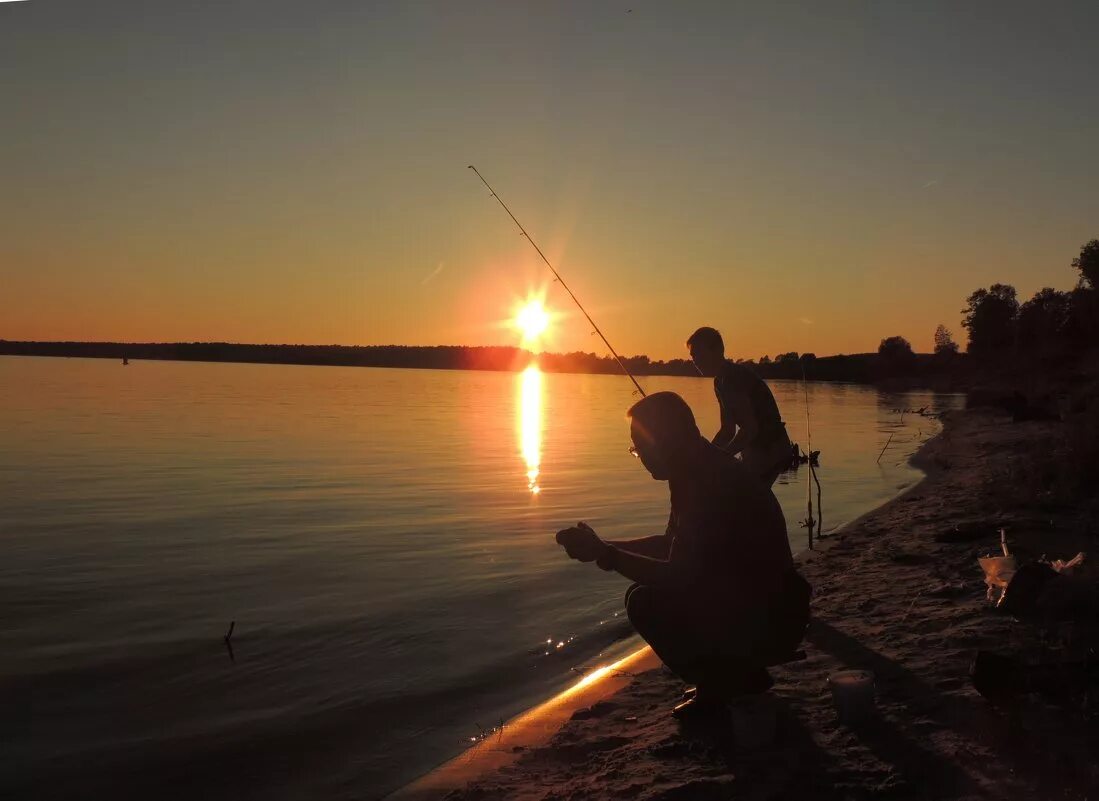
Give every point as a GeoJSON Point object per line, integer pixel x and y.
{"type": "Point", "coordinates": [998, 571]}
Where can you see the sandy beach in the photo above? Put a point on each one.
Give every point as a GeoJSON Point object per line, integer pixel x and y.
{"type": "Point", "coordinates": [889, 597]}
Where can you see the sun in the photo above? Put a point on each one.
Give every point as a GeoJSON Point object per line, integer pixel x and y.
{"type": "Point", "coordinates": [532, 320]}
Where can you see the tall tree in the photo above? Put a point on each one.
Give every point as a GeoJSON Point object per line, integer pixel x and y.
{"type": "Point", "coordinates": [990, 316]}
{"type": "Point", "coordinates": [1083, 322]}
{"type": "Point", "coordinates": [944, 342]}
{"type": "Point", "coordinates": [1088, 264]}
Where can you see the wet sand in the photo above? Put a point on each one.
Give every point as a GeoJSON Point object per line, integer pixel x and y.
{"type": "Point", "coordinates": [887, 598]}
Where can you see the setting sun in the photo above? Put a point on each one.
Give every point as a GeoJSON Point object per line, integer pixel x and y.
{"type": "Point", "coordinates": [532, 320]}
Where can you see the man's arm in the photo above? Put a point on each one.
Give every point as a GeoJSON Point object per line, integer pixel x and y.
{"type": "Point", "coordinates": [746, 418]}
{"type": "Point", "coordinates": [725, 436]}
{"type": "Point", "coordinates": [584, 545]}
{"type": "Point", "coordinates": [655, 547]}
{"type": "Point", "coordinates": [647, 571]}
{"type": "Point", "coordinates": [728, 430]}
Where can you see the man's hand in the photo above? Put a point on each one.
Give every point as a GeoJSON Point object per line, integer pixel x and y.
{"type": "Point", "coordinates": [581, 542]}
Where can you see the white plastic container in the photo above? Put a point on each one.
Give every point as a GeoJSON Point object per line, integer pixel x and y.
{"type": "Point", "coordinates": [852, 695]}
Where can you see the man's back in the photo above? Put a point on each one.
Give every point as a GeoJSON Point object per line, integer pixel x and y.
{"type": "Point", "coordinates": [729, 525]}
{"type": "Point", "coordinates": [736, 378]}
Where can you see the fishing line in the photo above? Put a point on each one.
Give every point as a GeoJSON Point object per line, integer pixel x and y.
{"type": "Point", "coordinates": [561, 281]}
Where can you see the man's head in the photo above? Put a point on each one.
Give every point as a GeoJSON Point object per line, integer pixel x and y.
{"type": "Point", "coordinates": [707, 350]}
{"type": "Point", "coordinates": [663, 431]}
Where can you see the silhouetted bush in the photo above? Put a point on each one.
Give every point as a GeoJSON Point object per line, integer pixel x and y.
{"type": "Point", "coordinates": [895, 356]}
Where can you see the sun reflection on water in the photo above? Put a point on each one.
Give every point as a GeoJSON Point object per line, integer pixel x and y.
{"type": "Point", "coordinates": [530, 424]}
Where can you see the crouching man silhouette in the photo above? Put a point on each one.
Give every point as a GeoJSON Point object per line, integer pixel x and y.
{"type": "Point", "coordinates": [717, 595]}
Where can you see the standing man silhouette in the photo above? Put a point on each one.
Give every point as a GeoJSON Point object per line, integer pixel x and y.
{"type": "Point", "coordinates": [750, 421]}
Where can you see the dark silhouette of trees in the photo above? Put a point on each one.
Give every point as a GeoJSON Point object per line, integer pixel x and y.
{"type": "Point", "coordinates": [787, 358]}
{"type": "Point", "coordinates": [764, 359]}
{"type": "Point", "coordinates": [895, 357]}
{"type": "Point", "coordinates": [1088, 264]}
{"type": "Point", "coordinates": [896, 352]}
{"type": "Point", "coordinates": [1083, 322]}
{"type": "Point", "coordinates": [1044, 320]}
{"type": "Point", "coordinates": [990, 317]}
{"type": "Point", "coordinates": [944, 342]}
{"type": "Point", "coordinates": [861, 367]}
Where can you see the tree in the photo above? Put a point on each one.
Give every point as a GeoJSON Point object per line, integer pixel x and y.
{"type": "Point", "coordinates": [896, 351]}
{"type": "Point", "coordinates": [764, 359]}
{"type": "Point", "coordinates": [787, 358]}
{"type": "Point", "coordinates": [1088, 264]}
{"type": "Point", "coordinates": [944, 342]}
{"type": "Point", "coordinates": [895, 356]}
{"type": "Point", "coordinates": [1083, 316]}
{"type": "Point", "coordinates": [1045, 318]}
{"type": "Point", "coordinates": [990, 317]}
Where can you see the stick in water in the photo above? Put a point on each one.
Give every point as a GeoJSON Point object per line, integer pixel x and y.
{"type": "Point", "coordinates": [886, 445]}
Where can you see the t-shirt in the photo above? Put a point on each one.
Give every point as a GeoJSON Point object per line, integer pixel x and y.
{"type": "Point", "coordinates": [736, 379]}
{"type": "Point", "coordinates": [728, 527]}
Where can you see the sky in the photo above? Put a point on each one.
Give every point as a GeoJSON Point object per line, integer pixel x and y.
{"type": "Point", "coordinates": [803, 176]}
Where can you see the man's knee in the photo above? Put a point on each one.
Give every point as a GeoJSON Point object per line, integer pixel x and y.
{"type": "Point", "coordinates": [639, 602]}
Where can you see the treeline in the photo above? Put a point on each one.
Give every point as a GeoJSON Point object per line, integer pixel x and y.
{"type": "Point", "coordinates": [1052, 322]}
{"type": "Point", "coordinates": [1051, 327]}
{"type": "Point", "coordinates": [441, 357]}
{"type": "Point", "coordinates": [860, 367]}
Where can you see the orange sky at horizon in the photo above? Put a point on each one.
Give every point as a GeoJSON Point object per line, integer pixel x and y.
{"type": "Point", "coordinates": [801, 179]}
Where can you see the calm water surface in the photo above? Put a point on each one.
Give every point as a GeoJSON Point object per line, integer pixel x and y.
{"type": "Point", "coordinates": [382, 538]}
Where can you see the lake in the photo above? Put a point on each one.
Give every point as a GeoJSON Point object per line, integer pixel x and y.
{"type": "Point", "coordinates": [383, 540]}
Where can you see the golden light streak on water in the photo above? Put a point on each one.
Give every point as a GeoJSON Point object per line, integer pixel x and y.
{"type": "Point", "coordinates": [530, 424]}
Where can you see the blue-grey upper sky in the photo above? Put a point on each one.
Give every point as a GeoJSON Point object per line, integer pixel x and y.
{"type": "Point", "coordinates": [805, 176]}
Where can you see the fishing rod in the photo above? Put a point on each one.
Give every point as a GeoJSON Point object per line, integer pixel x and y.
{"type": "Point", "coordinates": [561, 281]}
{"type": "Point", "coordinates": [809, 479]}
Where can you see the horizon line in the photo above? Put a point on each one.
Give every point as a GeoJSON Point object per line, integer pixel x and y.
{"type": "Point", "coordinates": [393, 345]}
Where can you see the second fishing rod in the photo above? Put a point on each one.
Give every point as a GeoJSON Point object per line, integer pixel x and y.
{"type": "Point", "coordinates": [560, 280]}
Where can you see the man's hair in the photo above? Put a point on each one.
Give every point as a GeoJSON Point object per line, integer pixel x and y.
{"type": "Point", "coordinates": [665, 417]}
{"type": "Point", "coordinates": [708, 338]}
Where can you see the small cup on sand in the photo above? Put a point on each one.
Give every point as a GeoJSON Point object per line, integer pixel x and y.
{"type": "Point", "coordinates": [852, 695]}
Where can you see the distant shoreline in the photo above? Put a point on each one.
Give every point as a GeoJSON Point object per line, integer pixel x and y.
{"type": "Point", "coordinates": [865, 368]}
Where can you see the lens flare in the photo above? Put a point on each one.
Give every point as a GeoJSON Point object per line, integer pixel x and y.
{"type": "Point", "coordinates": [532, 320]}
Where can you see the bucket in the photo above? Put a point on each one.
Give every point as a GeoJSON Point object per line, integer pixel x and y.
{"type": "Point", "coordinates": [852, 695]}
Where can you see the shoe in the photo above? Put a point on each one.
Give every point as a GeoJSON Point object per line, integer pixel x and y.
{"type": "Point", "coordinates": [751, 682]}
{"type": "Point", "coordinates": [701, 711]}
